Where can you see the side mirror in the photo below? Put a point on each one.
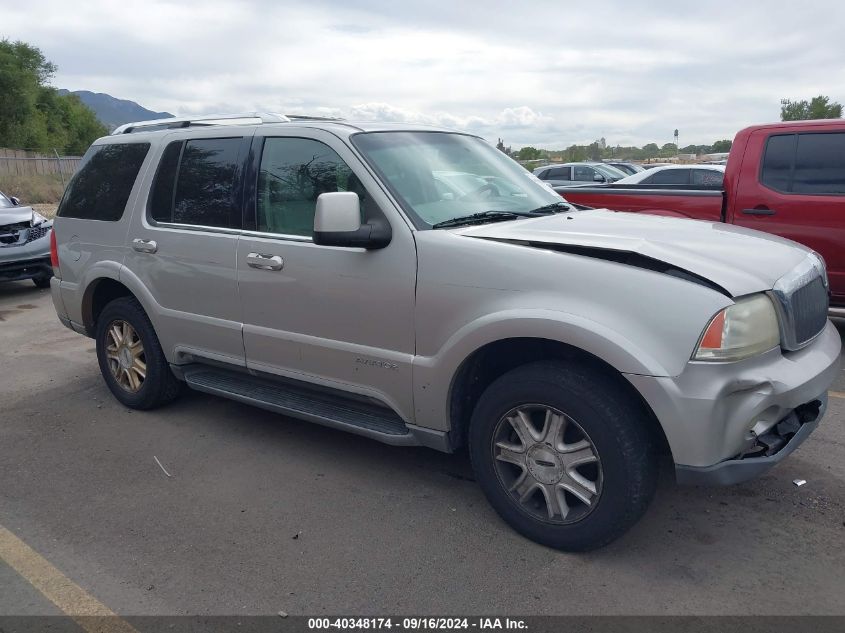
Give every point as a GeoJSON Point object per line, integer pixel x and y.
{"type": "Point", "coordinates": [337, 222]}
{"type": "Point", "coordinates": [15, 201]}
{"type": "Point", "coordinates": [598, 178]}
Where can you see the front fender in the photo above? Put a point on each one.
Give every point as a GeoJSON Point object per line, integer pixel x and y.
{"type": "Point", "coordinates": [433, 375]}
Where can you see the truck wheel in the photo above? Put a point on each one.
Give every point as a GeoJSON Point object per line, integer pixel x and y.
{"type": "Point", "coordinates": [563, 454]}
{"type": "Point", "coordinates": [130, 356]}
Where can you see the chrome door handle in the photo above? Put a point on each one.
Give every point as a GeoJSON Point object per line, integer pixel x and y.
{"type": "Point", "coordinates": [144, 246]}
{"type": "Point", "coordinates": [264, 261]}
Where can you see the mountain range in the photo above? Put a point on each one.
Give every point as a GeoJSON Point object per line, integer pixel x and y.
{"type": "Point", "coordinates": [112, 111]}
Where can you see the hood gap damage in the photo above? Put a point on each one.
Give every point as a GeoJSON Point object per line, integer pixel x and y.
{"type": "Point", "coordinates": [628, 258]}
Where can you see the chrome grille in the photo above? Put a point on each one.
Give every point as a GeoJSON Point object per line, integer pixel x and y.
{"type": "Point", "coordinates": [802, 302]}
{"type": "Point", "coordinates": [809, 306]}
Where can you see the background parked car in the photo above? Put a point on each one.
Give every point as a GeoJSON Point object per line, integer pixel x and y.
{"type": "Point", "coordinates": [578, 173]}
{"type": "Point", "coordinates": [695, 175]}
{"type": "Point", "coordinates": [628, 168]}
{"type": "Point", "coordinates": [24, 243]}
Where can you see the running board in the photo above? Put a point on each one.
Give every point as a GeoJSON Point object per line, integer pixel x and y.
{"type": "Point", "coordinates": [304, 402]}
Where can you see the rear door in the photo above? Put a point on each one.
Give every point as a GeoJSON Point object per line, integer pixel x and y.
{"type": "Point", "coordinates": [797, 190]}
{"type": "Point", "coordinates": [182, 247]}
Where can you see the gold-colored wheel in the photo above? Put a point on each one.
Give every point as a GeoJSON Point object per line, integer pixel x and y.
{"type": "Point", "coordinates": [125, 354]}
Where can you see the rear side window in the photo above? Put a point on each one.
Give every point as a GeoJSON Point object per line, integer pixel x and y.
{"type": "Point", "coordinates": [557, 173]}
{"type": "Point", "coordinates": [812, 163]}
{"type": "Point", "coordinates": [819, 164]}
{"type": "Point", "coordinates": [101, 187]}
{"type": "Point", "coordinates": [669, 177]}
{"type": "Point", "coordinates": [707, 177]}
{"type": "Point", "coordinates": [196, 183]}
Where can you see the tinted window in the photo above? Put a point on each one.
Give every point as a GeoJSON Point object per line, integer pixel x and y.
{"type": "Point", "coordinates": [205, 184]}
{"type": "Point", "coordinates": [581, 172]}
{"type": "Point", "coordinates": [161, 197]}
{"type": "Point", "coordinates": [707, 177]}
{"type": "Point", "coordinates": [777, 162]}
{"type": "Point", "coordinates": [101, 187]}
{"type": "Point", "coordinates": [669, 177]}
{"type": "Point", "coordinates": [557, 173]}
{"type": "Point", "coordinates": [819, 164]}
{"type": "Point", "coordinates": [294, 171]}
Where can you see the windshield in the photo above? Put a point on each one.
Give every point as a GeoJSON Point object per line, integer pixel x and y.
{"type": "Point", "coordinates": [439, 176]}
{"type": "Point", "coordinates": [5, 202]}
{"type": "Point", "coordinates": [610, 172]}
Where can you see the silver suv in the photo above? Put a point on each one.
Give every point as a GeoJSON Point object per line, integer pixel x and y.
{"type": "Point", "coordinates": [319, 269]}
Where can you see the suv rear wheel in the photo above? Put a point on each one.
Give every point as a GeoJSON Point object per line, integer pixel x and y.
{"type": "Point", "coordinates": [130, 356]}
{"type": "Point", "coordinates": [563, 454]}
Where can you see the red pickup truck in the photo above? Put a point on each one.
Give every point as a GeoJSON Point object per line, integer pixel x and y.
{"type": "Point", "coordinates": [782, 178]}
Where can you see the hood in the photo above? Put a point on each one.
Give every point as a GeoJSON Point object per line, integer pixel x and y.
{"type": "Point", "coordinates": [15, 215]}
{"type": "Point", "coordinates": [740, 261]}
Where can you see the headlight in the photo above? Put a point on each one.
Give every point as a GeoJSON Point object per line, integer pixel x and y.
{"type": "Point", "coordinates": [747, 328]}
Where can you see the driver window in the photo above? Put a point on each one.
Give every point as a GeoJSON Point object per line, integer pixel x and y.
{"type": "Point", "coordinates": [583, 172]}
{"type": "Point", "coordinates": [293, 172]}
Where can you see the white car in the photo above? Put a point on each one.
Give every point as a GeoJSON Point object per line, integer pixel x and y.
{"type": "Point", "coordinates": [701, 175]}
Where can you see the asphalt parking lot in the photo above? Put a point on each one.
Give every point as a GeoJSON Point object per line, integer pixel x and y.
{"type": "Point", "coordinates": [262, 513]}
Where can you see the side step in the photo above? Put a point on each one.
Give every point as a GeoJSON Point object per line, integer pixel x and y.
{"type": "Point", "coordinates": [303, 401]}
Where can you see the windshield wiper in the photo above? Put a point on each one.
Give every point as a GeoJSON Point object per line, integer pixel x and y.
{"type": "Point", "coordinates": [554, 207]}
{"type": "Point", "coordinates": [484, 216]}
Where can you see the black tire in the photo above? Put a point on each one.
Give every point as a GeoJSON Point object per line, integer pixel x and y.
{"type": "Point", "coordinates": [42, 282]}
{"type": "Point", "coordinates": [159, 386]}
{"type": "Point", "coordinates": [608, 417]}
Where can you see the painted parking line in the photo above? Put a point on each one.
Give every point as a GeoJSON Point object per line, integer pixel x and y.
{"type": "Point", "coordinates": [89, 613]}
{"type": "Point", "coordinates": [836, 394]}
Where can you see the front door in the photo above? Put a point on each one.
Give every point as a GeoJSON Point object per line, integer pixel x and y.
{"type": "Point", "coordinates": [798, 193]}
{"type": "Point", "coordinates": [342, 318]}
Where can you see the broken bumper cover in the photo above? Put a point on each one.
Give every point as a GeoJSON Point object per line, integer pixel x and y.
{"type": "Point", "coordinates": [25, 269]}
{"type": "Point", "coordinates": [715, 414]}
{"type": "Point", "coordinates": [27, 258]}
{"type": "Point", "coordinates": [772, 447]}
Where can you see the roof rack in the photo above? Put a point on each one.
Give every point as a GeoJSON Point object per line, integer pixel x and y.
{"type": "Point", "coordinates": [247, 118]}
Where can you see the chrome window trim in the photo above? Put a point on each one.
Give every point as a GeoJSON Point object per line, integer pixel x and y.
{"type": "Point", "coordinates": [193, 227]}
{"type": "Point", "coordinates": [279, 236]}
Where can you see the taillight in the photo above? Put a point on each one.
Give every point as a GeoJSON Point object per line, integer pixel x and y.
{"type": "Point", "coordinates": [54, 254]}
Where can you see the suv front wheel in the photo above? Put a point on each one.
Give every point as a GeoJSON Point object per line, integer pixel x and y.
{"type": "Point", "coordinates": [130, 356]}
{"type": "Point", "coordinates": [563, 454]}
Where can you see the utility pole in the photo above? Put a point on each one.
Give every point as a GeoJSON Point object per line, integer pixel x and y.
{"type": "Point", "coordinates": [677, 149]}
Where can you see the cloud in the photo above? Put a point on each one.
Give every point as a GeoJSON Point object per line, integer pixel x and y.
{"type": "Point", "coordinates": [529, 73]}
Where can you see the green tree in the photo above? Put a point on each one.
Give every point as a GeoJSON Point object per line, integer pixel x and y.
{"type": "Point", "coordinates": [528, 153]}
{"type": "Point", "coordinates": [32, 114]}
{"type": "Point", "coordinates": [817, 108]}
{"type": "Point", "coordinates": [651, 150]}
{"type": "Point", "coordinates": [721, 146]}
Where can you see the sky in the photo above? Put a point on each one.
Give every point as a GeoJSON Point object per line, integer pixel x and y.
{"type": "Point", "coordinates": [541, 73]}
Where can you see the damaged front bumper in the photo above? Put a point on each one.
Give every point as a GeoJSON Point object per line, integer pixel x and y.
{"type": "Point", "coordinates": [769, 449]}
{"type": "Point", "coordinates": [25, 253]}
{"type": "Point", "coordinates": [729, 422]}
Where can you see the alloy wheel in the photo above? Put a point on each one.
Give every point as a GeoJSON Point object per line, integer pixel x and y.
{"type": "Point", "coordinates": [125, 355]}
{"type": "Point", "coordinates": [547, 463]}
